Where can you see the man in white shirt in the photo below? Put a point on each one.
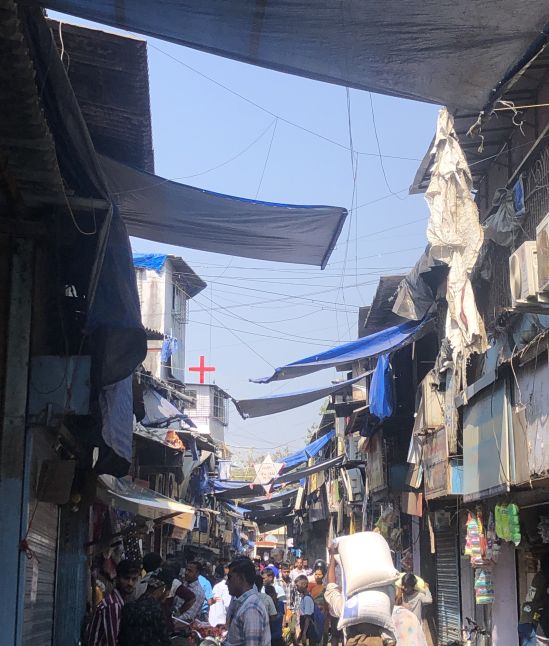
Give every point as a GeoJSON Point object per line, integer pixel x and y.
{"type": "Point", "coordinates": [221, 599]}
{"type": "Point", "coordinates": [298, 570]}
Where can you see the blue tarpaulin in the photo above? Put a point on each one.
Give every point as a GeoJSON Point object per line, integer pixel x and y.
{"type": "Point", "coordinates": [286, 401]}
{"type": "Point", "coordinates": [388, 340]}
{"type": "Point", "coordinates": [154, 261]}
{"type": "Point", "coordinates": [312, 449]}
{"type": "Point", "coordinates": [381, 389]}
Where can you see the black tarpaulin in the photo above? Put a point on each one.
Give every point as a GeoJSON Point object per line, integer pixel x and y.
{"type": "Point", "coordinates": [164, 211]}
{"type": "Point", "coordinates": [452, 52]}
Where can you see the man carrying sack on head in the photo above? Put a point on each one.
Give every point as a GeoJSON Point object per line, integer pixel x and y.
{"type": "Point", "coordinates": [365, 609]}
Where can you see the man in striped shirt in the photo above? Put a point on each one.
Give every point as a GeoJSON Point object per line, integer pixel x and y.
{"type": "Point", "coordinates": [105, 623]}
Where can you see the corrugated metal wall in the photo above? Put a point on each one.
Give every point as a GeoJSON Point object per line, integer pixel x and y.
{"type": "Point", "coordinates": [447, 589]}
{"type": "Point", "coordinates": [38, 611]}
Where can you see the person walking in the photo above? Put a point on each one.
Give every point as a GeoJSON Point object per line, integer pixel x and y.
{"type": "Point", "coordinates": [191, 613]}
{"type": "Point", "coordinates": [221, 599]}
{"type": "Point", "coordinates": [298, 569]}
{"type": "Point", "coordinates": [105, 624]}
{"type": "Point", "coordinates": [276, 621]}
{"type": "Point", "coordinates": [143, 622]}
{"type": "Point", "coordinates": [247, 618]}
{"type": "Point", "coordinates": [269, 578]}
{"type": "Point", "coordinates": [307, 629]}
{"type": "Point", "coordinates": [364, 633]}
{"type": "Point", "coordinates": [208, 591]}
{"type": "Point", "coordinates": [408, 629]}
{"type": "Point", "coordinates": [414, 599]}
{"type": "Point", "coordinates": [270, 607]}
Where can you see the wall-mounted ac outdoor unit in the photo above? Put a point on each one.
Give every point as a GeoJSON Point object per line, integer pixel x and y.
{"type": "Point", "coordinates": [523, 274]}
{"type": "Point", "coordinates": [542, 246]}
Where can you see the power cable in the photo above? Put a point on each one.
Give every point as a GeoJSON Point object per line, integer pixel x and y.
{"type": "Point", "coordinates": [266, 160]}
{"type": "Point", "coordinates": [270, 112]}
{"type": "Point", "coordinates": [379, 149]}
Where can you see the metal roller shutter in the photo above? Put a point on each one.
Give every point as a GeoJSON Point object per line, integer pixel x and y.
{"type": "Point", "coordinates": [40, 576]}
{"type": "Point", "coordinates": [447, 580]}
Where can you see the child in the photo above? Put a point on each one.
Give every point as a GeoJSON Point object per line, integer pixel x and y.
{"type": "Point", "coordinates": [306, 613]}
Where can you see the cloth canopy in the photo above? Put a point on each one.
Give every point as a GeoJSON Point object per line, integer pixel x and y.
{"type": "Point", "coordinates": [268, 500]}
{"type": "Point", "coordinates": [143, 502]}
{"type": "Point", "coordinates": [296, 476]}
{"type": "Point", "coordinates": [381, 400]}
{"type": "Point", "coordinates": [312, 449]}
{"type": "Point", "coordinates": [388, 340]}
{"type": "Point", "coordinates": [286, 401]}
{"type": "Point", "coordinates": [164, 211]}
{"type": "Point", "coordinates": [365, 44]}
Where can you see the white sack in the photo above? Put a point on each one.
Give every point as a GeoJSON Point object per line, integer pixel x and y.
{"type": "Point", "coordinates": [366, 562]}
{"type": "Point", "coordinates": [373, 606]}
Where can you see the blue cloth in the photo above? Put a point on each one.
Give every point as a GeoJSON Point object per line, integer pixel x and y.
{"type": "Point", "coordinates": [388, 340]}
{"type": "Point", "coordinates": [169, 347]}
{"type": "Point", "coordinates": [208, 591]}
{"type": "Point", "coordinates": [154, 261]}
{"type": "Point", "coordinates": [381, 389]}
{"type": "Point", "coordinates": [527, 634]}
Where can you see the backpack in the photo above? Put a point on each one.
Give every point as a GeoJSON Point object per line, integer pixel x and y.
{"type": "Point", "coordinates": [318, 620]}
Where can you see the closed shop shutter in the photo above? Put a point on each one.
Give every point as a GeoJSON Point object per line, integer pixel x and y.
{"type": "Point", "coordinates": [40, 575]}
{"type": "Point", "coordinates": [447, 580]}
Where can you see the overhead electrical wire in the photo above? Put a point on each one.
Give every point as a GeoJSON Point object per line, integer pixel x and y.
{"type": "Point", "coordinates": [270, 112]}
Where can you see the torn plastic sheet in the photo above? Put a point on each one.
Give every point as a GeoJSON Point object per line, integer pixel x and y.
{"type": "Point", "coordinates": [415, 296]}
{"type": "Point", "coordinates": [503, 226]}
{"type": "Point", "coordinates": [456, 238]}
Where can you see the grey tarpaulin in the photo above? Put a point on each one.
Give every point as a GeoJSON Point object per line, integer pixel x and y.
{"type": "Point", "coordinates": [286, 401]}
{"type": "Point", "coordinates": [416, 293]}
{"type": "Point", "coordinates": [165, 211]}
{"type": "Point", "coordinates": [451, 52]}
{"type": "Point", "coordinates": [502, 226]}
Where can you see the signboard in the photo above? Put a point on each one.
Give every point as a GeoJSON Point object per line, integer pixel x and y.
{"type": "Point", "coordinates": [486, 444]}
{"type": "Point", "coordinates": [435, 463]}
{"type": "Point", "coordinates": [266, 472]}
{"type": "Point", "coordinates": [375, 465]}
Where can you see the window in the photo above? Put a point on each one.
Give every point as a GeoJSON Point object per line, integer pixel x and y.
{"type": "Point", "coordinates": [218, 405]}
{"type": "Point", "coordinates": [191, 393]}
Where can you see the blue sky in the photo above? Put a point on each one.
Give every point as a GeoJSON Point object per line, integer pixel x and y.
{"type": "Point", "coordinates": [255, 315]}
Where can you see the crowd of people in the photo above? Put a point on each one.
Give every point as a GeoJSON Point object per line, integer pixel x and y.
{"type": "Point", "coordinates": [244, 603]}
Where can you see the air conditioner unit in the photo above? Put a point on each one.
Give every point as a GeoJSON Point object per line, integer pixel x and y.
{"type": "Point", "coordinates": [523, 274]}
{"type": "Point", "coordinates": [542, 247]}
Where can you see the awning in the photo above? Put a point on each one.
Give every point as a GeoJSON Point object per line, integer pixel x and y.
{"type": "Point", "coordinates": [295, 476]}
{"type": "Point", "coordinates": [167, 437]}
{"type": "Point", "coordinates": [388, 340]}
{"type": "Point", "coordinates": [312, 449]}
{"type": "Point", "coordinates": [286, 401]}
{"type": "Point", "coordinates": [143, 502]}
{"type": "Point", "coordinates": [452, 52]}
{"type": "Point", "coordinates": [164, 211]}
{"type": "Point", "coordinates": [269, 500]}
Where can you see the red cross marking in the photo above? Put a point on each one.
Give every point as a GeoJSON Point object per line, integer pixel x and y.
{"type": "Point", "coordinates": [202, 369]}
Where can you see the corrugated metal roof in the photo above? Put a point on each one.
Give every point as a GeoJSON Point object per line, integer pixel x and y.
{"type": "Point", "coordinates": [29, 162]}
{"type": "Point", "coordinates": [188, 279]}
{"type": "Point", "coordinates": [497, 127]}
{"type": "Point", "coordinates": [381, 314]}
{"type": "Point", "coordinates": [110, 77]}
